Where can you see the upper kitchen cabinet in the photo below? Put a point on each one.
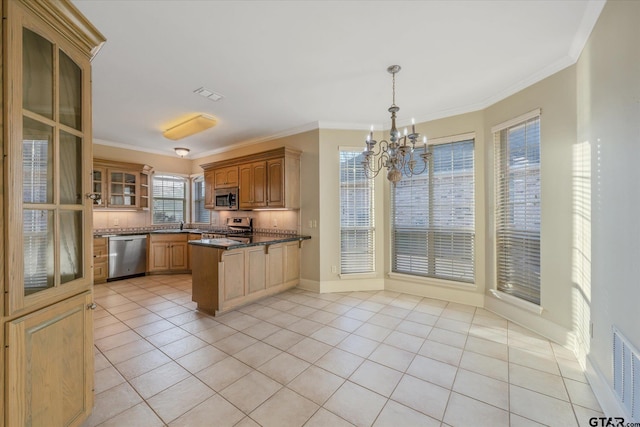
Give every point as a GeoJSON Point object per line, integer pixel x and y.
{"type": "Point", "coordinates": [269, 179]}
{"type": "Point", "coordinates": [45, 307]}
{"type": "Point", "coordinates": [120, 185]}
{"type": "Point", "coordinates": [225, 177]}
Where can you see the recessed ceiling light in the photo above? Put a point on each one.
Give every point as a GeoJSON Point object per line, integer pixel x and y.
{"type": "Point", "coordinates": [208, 93]}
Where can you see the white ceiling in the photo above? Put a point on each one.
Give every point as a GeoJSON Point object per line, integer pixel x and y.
{"type": "Point", "coordinates": [287, 66]}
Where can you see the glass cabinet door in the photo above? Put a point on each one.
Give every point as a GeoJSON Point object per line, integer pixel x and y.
{"type": "Point", "coordinates": [122, 189]}
{"type": "Point", "coordinates": [53, 163]}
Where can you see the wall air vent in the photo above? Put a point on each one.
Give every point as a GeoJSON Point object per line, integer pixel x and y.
{"type": "Point", "coordinates": [626, 374]}
{"type": "Point", "coordinates": [207, 93]}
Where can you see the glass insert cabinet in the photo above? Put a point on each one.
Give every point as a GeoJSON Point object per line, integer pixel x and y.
{"type": "Point", "coordinates": [46, 221]}
{"type": "Point", "coordinates": [120, 185]}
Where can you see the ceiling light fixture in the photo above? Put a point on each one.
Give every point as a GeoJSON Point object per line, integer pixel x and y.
{"type": "Point", "coordinates": [182, 151]}
{"type": "Point", "coordinates": [397, 154]}
{"type": "Point", "coordinates": [189, 127]}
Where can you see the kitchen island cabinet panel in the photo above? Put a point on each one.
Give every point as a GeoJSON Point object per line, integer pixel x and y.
{"type": "Point", "coordinates": [225, 279]}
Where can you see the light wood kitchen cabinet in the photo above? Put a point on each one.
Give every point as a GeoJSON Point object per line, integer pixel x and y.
{"type": "Point", "coordinates": [209, 178]}
{"type": "Point", "coordinates": [100, 259]}
{"type": "Point", "coordinates": [168, 252]}
{"type": "Point", "coordinates": [45, 305]}
{"type": "Point", "coordinates": [225, 279]}
{"type": "Point", "coordinates": [270, 179]}
{"type": "Point", "coordinates": [225, 177]}
{"type": "Point", "coordinates": [120, 185]}
{"type": "Point", "coordinates": [253, 185]}
{"type": "Point", "coordinates": [50, 355]}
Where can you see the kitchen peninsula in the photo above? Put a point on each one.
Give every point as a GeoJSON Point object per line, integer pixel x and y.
{"type": "Point", "coordinates": [228, 273]}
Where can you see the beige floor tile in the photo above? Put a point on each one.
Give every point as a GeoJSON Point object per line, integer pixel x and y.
{"type": "Point", "coordinates": [398, 312]}
{"type": "Point", "coordinates": [184, 318]}
{"type": "Point", "coordinates": [107, 378]}
{"type": "Point", "coordinates": [371, 306]}
{"type": "Point", "coordinates": [201, 358]}
{"type": "Point", "coordinates": [488, 348]}
{"type": "Point", "coordinates": [458, 312]}
{"type": "Point", "coordinates": [130, 314]}
{"type": "Point", "coordinates": [336, 308]}
{"type": "Point", "coordinates": [116, 340]}
{"type": "Point", "coordinates": [261, 330]}
{"type": "Point", "coordinates": [127, 351]}
{"type": "Point", "coordinates": [154, 328]}
{"type": "Point", "coordinates": [172, 311]}
{"type": "Point", "coordinates": [324, 418]}
{"type": "Point", "coordinates": [542, 382]}
{"type": "Point", "coordinates": [197, 325]}
{"type": "Point", "coordinates": [250, 391]}
{"type": "Point", "coordinates": [541, 408]}
{"type": "Point", "coordinates": [442, 352]}
{"type": "Point", "coordinates": [140, 416]}
{"type": "Point", "coordinates": [302, 311]}
{"type": "Point", "coordinates": [257, 354]}
{"type": "Point", "coordinates": [518, 421]}
{"type": "Point", "coordinates": [161, 378]}
{"type": "Point", "coordinates": [414, 328]}
{"type": "Point", "coordinates": [309, 350]}
{"type": "Point", "coordinates": [346, 324]}
{"type": "Point", "coordinates": [483, 388]}
{"type": "Point", "coordinates": [350, 396]}
{"type": "Point", "coordinates": [283, 319]}
{"type": "Point", "coordinates": [432, 370]}
{"type": "Point", "coordinates": [179, 398]}
{"type": "Point", "coordinates": [213, 411]}
{"type": "Point", "coordinates": [448, 337]}
{"type": "Point", "coordinates": [329, 335]}
{"type": "Point", "coordinates": [168, 336]}
{"type": "Point", "coordinates": [571, 369]}
{"type": "Point", "coordinates": [358, 345]}
{"type": "Point", "coordinates": [316, 384]}
{"type": "Point", "coordinates": [247, 422]}
{"type": "Point", "coordinates": [404, 341]}
{"type": "Point", "coordinates": [284, 409]}
{"type": "Point", "coordinates": [111, 403]}
{"type": "Point", "coordinates": [359, 314]}
{"type": "Point", "coordinates": [485, 365]}
{"type": "Point", "coordinates": [142, 320]}
{"type": "Point", "coordinates": [305, 327]}
{"type": "Point", "coordinates": [464, 411]}
{"type": "Point", "coordinates": [395, 415]}
{"type": "Point", "coordinates": [215, 333]}
{"type": "Point", "coordinates": [163, 305]}
{"type": "Point", "coordinates": [384, 320]}
{"type": "Point", "coordinates": [376, 377]}
{"type": "Point", "coordinates": [423, 396]}
{"type": "Point", "coordinates": [582, 395]}
{"type": "Point", "coordinates": [584, 415]}
{"type": "Point", "coordinates": [373, 332]}
{"type": "Point", "coordinates": [489, 333]}
{"type": "Point", "coordinates": [111, 329]}
{"type": "Point", "coordinates": [182, 347]}
{"type": "Point", "coordinates": [283, 339]}
{"type": "Point", "coordinates": [322, 316]}
{"type": "Point", "coordinates": [100, 362]}
{"type": "Point", "coordinates": [235, 343]}
{"type": "Point", "coordinates": [535, 360]}
{"type": "Point", "coordinates": [392, 357]}
{"type": "Point", "coordinates": [222, 374]}
{"type": "Point", "coordinates": [143, 363]}
{"type": "Point", "coordinates": [283, 368]}
{"type": "Point", "coordinates": [105, 321]}
{"type": "Point", "coordinates": [424, 318]}
{"type": "Point", "coordinates": [340, 362]}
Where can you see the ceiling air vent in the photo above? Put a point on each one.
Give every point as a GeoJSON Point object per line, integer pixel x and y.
{"type": "Point", "coordinates": [207, 93]}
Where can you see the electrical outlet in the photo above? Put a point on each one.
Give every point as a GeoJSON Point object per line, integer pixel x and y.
{"type": "Point", "coordinates": [315, 223]}
{"type": "Point", "coordinates": [334, 269]}
{"type": "Point", "coordinates": [116, 222]}
{"type": "Point", "coordinates": [275, 223]}
{"type": "Point", "coordinates": [310, 223]}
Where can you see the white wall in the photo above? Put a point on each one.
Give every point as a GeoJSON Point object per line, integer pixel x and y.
{"type": "Point", "coordinates": [608, 137]}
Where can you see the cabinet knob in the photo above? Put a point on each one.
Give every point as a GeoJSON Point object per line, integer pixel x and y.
{"type": "Point", "coordinates": [92, 306]}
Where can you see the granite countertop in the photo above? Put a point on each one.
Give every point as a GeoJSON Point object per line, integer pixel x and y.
{"type": "Point", "coordinates": [256, 239]}
{"type": "Point", "coordinates": [130, 232]}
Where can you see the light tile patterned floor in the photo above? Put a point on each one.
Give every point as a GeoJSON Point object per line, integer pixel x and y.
{"type": "Point", "coordinates": [361, 358]}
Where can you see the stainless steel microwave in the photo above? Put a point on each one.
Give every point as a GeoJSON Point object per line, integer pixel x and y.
{"type": "Point", "coordinates": [226, 199]}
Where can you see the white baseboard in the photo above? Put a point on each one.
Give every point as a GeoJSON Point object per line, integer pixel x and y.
{"type": "Point", "coordinates": [605, 394]}
{"type": "Point", "coordinates": [309, 285]}
{"type": "Point", "coordinates": [352, 285]}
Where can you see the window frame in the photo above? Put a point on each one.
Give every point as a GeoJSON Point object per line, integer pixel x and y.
{"type": "Point", "coordinates": [185, 199]}
{"type": "Point", "coordinates": [194, 181]}
{"type": "Point", "coordinates": [431, 263]}
{"type": "Point", "coordinates": [370, 229]}
{"type": "Point", "coordinates": [502, 233]}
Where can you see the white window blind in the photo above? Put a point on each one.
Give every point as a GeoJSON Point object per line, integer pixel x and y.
{"type": "Point", "coordinates": [200, 214]}
{"type": "Point", "coordinates": [433, 216]}
{"type": "Point", "coordinates": [357, 242]}
{"type": "Point", "coordinates": [168, 199]}
{"type": "Point", "coordinates": [517, 162]}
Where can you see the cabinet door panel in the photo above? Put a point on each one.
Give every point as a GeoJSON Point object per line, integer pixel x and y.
{"type": "Point", "coordinates": [233, 282]}
{"type": "Point", "coordinates": [275, 196]}
{"type": "Point", "coordinates": [158, 256]}
{"type": "Point", "coordinates": [292, 262]}
{"type": "Point", "coordinates": [276, 265]}
{"type": "Point", "coordinates": [256, 269]}
{"type": "Point", "coordinates": [259, 172]}
{"type": "Point", "coordinates": [178, 255]}
{"type": "Point", "coordinates": [245, 187]}
{"type": "Point", "coordinates": [50, 365]}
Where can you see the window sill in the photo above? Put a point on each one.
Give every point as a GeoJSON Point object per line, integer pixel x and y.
{"type": "Point", "coordinates": [356, 276]}
{"type": "Point", "coordinates": [433, 282]}
{"type": "Point", "coordinates": [517, 302]}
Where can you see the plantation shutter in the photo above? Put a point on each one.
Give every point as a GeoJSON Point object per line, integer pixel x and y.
{"type": "Point", "coordinates": [433, 216]}
{"type": "Point", "coordinates": [357, 242]}
{"type": "Point", "coordinates": [200, 214]}
{"type": "Point", "coordinates": [517, 163]}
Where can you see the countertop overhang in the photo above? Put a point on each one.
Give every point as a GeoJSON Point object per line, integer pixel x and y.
{"type": "Point", "coordinates": [249, 240]}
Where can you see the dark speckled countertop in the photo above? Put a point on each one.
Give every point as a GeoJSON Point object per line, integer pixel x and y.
{"type": "Point", "coordinates": [244, 241]}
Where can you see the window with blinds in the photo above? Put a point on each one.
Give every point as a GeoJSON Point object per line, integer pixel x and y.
{"type": "Point", "coordinates": [517, 163]}
{"type": "Point", "coordinates": [200, 214]}
{"type": "Point", "coordinates": [169, 200]}
{"type": "Point", "coordinates": [433, 216]}
{"type": "Point", "coordinates": [357, 242]}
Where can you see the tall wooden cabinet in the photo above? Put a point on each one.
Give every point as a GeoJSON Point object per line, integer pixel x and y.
{"type": "Point", "coordinates": [45, 309]}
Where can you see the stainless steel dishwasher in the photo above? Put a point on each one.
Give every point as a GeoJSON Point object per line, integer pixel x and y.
{"type": "Point", "coordinates": [127, 255]}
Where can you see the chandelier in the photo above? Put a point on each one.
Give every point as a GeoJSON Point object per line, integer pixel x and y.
{"type": "Point", "coordinates": [399, 155]}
